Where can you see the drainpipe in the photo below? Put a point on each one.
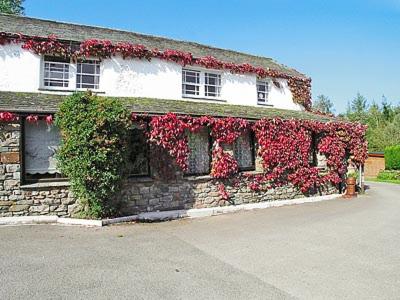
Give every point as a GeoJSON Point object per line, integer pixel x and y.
{"type": "Point", "coordinates": [361, 174]}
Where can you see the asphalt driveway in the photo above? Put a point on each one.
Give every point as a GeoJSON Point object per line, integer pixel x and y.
{"type": "Point", "coordinates": [337, 249]}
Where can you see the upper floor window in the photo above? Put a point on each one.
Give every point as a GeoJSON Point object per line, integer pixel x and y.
{"type": "Point", "coordinates": [201, 84]}
{"type": "Point", "coordinates": [190, 83]}
{"type": "Point", "coordinates": [88, 74]}
{"type": "Point", "coordinates": [212, 85]}
{"type": "Point", "coordinates": [262, 92]}
{"type": "Point", "coordinates": [56, 72]}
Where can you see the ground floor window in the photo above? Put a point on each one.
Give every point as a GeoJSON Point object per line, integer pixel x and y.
{"type": "Point", "coordinates": [138, 162]}
{"type": "Point", "coordinates": [200, 154]}
{"type": "Point", "coordinates": [243, 150]}
{"type": "Point", "coordinates": [41, 141]}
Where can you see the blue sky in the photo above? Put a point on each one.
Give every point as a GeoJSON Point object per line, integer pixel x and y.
{"type": "Point", "coordinates": [345, 46]}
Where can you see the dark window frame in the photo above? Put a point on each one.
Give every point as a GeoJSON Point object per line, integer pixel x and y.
{"type": "Point", "coordinates": [148, 152]}
{"type": "Point", "coordinates": [210, 146]}
{"type": "Point", "coordinates": [30, 179]}
{"type": "Point", "coordinates": [253, 154]}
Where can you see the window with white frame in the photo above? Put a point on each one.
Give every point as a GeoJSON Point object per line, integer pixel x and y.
{"type": "Point", "coordinates": [262, 92]}
{"type": "Point", "coordinates": [190, 83]}
{"type": "Point", "coordinates": [201, 84]}
{"type": "Point", "coordinates": [88, 74]}
{"type": "Point", "coordinates": [212, 85]}
{"type": "Point", "coordinates": [41, 142]}
{"type": "Point", "coordinates": [56, 72]}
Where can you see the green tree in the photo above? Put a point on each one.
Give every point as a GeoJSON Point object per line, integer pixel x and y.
{"type": "Point", "coordinates": [323, 104]}
{"type": "Point", "coordinates": [357, 109]}
{"type": "Point", "coordinates": [13, 7]}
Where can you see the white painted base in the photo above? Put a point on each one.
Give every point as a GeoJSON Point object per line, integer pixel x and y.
{"type": "Point", "coordinates": [163, 215]}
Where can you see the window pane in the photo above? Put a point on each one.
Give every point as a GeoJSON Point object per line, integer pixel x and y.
{"type": "Point", "coordinates": [190, 83]}
{"type": "Point", "coordinates": [41, 144]}
{"type": "Point", "coordinates": [88, 75]}
{"type": "Point", "coordinates": [88, 69]}
{"type": "Point", "coordinates": [262, 91]}
{"type": "Point", "coordinates": [138, 163]}
{"type": "Point", "coordinates": [243, 151]}
{"type": "Point", "coordinates": [212, 85]}
{"type": "Point", "coordinates": [199, 156]}
{"type": "Point", "coordinates": [56, 73]}
{"type": "Point", "coordinates": [190, 90]}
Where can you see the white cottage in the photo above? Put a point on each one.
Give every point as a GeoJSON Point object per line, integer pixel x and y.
{"type": "Point", "coordinates": [42, 61]}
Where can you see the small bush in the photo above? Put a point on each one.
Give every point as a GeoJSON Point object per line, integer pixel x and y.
{"type": "Point", "coordinates": [93, 151]}
{"type": "Point", "coordinates": [389, 175]}
{"type": "Point", "coordinates": [392, 157]}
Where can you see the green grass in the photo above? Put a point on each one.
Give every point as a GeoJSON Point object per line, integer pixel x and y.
{"type": "Point", "coordinates": [382, 180]}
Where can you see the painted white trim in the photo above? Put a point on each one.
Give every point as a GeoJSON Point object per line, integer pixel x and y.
{"type": "Point", "coordinates": [84, 222]}
{"type": "Point", "coordinates": [164, 215]}
{"type": "Point", "coordinates": [28, 220]}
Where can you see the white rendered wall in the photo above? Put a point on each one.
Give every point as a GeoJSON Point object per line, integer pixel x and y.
{"type": "Point", "coordinates": [21, 71]}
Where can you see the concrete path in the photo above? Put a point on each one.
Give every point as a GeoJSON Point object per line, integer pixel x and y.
{"type": "Point", "coordinates": [337, 249]}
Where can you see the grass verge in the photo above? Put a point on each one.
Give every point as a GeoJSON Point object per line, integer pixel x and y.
{"type": "Point", "coordinates": [374, 179]}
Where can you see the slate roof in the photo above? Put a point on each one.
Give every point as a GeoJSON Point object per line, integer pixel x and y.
{"type": "Point", "coordinates": [74, 32]}
{"type": "Point", "coordinates": [48, 103]}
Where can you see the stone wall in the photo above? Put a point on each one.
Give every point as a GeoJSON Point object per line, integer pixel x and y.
{"type": "Point", "coordinates": [141, 195]}
{"type": "Point", "coordinates": [37, 199]}
{"type": "Point", "coordinates": [138, 194]}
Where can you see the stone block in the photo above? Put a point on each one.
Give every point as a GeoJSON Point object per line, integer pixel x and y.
{"type": "Point", "coordinates": [12, 168]}
{"type": "Point", "coordinates": [9, 157]}
{"type": "Point", "coordinates": [19, 208]}
{"type": "Point", "coordinates": [10, 183]}
{"type": "Point", "coordinates": [24, 202]}
{"type": "Point", "coordinates": [39, 209]}
{"type": "Point", "coordinates": [67, 201]}
{"type": "Point", "coordinates": [6, 203]}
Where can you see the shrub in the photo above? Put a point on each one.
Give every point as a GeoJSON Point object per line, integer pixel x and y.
{"type": "Point", "coordinates": [93, 151]}
{"type": "Point", "coordinates": [389, 175]}
{"type": "Point", "coordinates": [392, 157]}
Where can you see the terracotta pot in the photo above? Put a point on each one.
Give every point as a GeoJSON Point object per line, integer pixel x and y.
{"type": "Point", "coordinates": [351, 181]}
{"type": "Point", "coordinates": [351, 187]}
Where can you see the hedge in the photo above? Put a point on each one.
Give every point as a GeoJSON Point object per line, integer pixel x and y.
{"type": "Point", "coordinates": [392, 157]}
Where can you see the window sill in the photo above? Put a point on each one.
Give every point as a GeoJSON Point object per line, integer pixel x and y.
{"type": "Point", "coordinates": [45, 185]}
{"type": "Point", "coordinates": [265, 104]}
{"type": "Point", "coordinates": [70, 90]}
{"type": "Point", "coordinates": [139, 179]}
{"type": "Point", "coordinates": [198, 178]}
{"type": "Point", "coordinates": [204, 99]}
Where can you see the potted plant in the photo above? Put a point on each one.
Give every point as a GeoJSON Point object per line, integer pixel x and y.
{"type": "Point", "coordinates": [351, 184]}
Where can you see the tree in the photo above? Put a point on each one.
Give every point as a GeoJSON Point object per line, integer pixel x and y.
{"type": "Point", "coordinates": [357, 109]}
{"type": "Point", "coordinates": [323, 104]}
{"type": "Point", "coordinates": [387, 109]}
{"type": "Point", "coordinates": [359, 104]}
{"type": "Point", "coordinates": [13, 7]}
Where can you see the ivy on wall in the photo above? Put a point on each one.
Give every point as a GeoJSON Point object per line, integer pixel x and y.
{"type": "Point", "coordinates": [93, 152]}
{"type": "Point", "coordinates": [94, 130]}
{"type": "Point", "coordinates": [299, 86]}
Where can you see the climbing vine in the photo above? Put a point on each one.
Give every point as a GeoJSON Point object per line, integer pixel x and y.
{"type": "Point", "coordinates": [284, 147]}
{"type": "Point", "coordinates": [51, 45]}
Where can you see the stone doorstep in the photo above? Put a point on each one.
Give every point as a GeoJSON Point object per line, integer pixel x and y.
{"type": "Point", "coordinates": [162, 215]}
